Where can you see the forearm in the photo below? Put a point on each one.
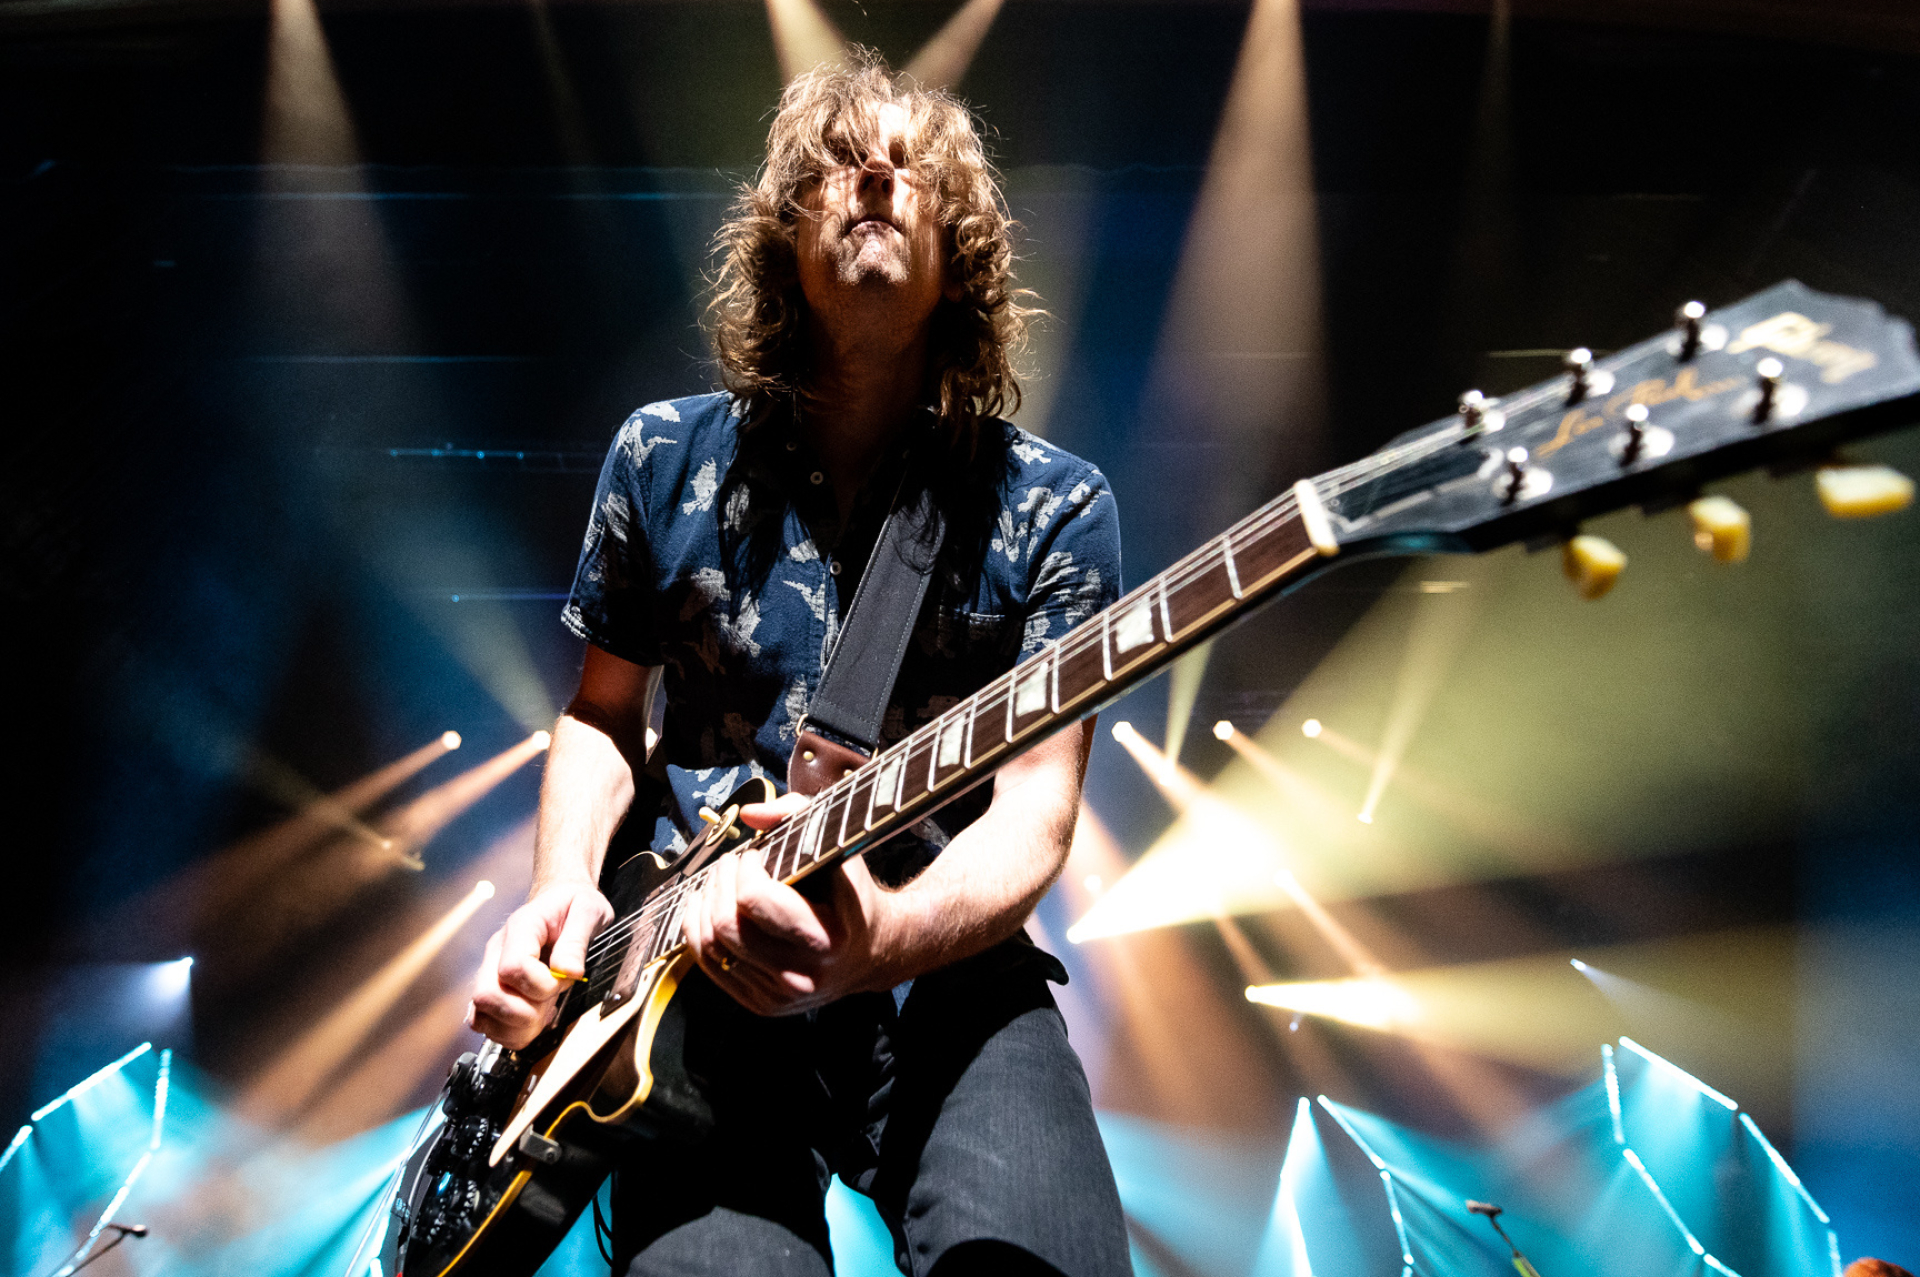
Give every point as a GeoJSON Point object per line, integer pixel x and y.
{"type": "Point", "coordinates": [584, 795]}
{"type": "Point", "coordinates": [985, 883]}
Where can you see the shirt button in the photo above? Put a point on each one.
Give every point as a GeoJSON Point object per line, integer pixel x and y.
{"type": "Point", "coordinates": [816, 478]}
{"type": "Point", "coordinates": [793, 445]}
{"type": "Point", "coordinates": [833, 567]}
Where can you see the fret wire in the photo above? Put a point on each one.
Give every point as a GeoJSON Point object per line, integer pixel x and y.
{"type": "Point", "coordinates": [1226, 557]}
{"type": "Point", "coordinates": [873, 797]}
{"type": "Point", "coordinates": [1106, 643]}
{"type": "Point", "coordinates": [933, 764]}
{"type": "Point", "coordinates": [1054, 677]}
{"type": "Point", "coordinates": [846, 810]}
{"type": "Point", "coordinates": [966, 740]}
{"type": "Point", "coordinates": [1013, 699]}
{"type": "Point", "coordinates": [1166, 612]}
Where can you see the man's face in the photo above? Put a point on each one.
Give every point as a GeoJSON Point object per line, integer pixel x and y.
{"type": "Point", "coordinates": [871, 234]}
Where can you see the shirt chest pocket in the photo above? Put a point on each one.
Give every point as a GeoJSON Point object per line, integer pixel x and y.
{"type": "Point", "coordinates": [966, 637]}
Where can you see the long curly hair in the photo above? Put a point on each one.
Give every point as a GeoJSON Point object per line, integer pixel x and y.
{"type": "Point", "coordinates": [827, 118]}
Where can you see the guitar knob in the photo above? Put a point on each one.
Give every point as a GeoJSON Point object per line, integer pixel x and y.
{"type": "Point", "coordinates": [1636, 437]}
{"type": "Point", "coordinates": [1861, 492]}
{"type": "Point", "coordinates": [1721, 528]}
{"type": "Point", "coordinates": [1593, 564]}
{"type": "Point", "coordinates": [1769, 371]}
{"type": "Point", "coordinates": [1579, 365]}
{"type": "Point", "coordinates": [1687, 320]}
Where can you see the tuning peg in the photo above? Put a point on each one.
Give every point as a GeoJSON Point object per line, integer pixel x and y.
{"type": "Point", "coordinates": [1635, 439]}
{"type": "Point", "coordinates": [1516, 479]}
{"type": "Point", "coordinates": [1592, 563]}
{"type": "Point", "coordinates": [1579, 365]}
{"type": "Point", "coordinates": [1687, 320]}
{"type": "Point", "coordinates": [1473, 410]}
{"type": "Point", "coordinates": [1721, 528]}
{"type": "Point", "coordinates": [1861, 492]}
{"type": "Point", "coordinates": [1479, 414]}
{"type": "Point", "coordinates": [1769, 371]}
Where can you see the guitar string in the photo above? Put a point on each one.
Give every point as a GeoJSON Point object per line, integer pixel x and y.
{"type": "Point", "coordinates": [1191, 567]}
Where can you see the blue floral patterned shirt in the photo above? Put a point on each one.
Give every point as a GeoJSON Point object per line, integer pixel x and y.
{"type": "Point", "coordinates": [726, 565]}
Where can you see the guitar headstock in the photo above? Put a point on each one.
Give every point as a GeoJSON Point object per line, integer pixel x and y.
{"type": "Point", "coordinates": [1777, 380]}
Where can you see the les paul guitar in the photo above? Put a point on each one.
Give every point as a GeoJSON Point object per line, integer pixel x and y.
{"type": "Point", "coordinates": [524, 1139]}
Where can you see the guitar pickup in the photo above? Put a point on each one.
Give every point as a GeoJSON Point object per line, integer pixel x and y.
{"type": "Point", "coordinates": [540, 1148]}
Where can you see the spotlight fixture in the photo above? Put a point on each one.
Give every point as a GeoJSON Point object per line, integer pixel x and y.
{"type": "Point", "coordinates": [542, 739]}
{"type": "Point", "coordinates": [1310, 729]}
{"type": "Point", "coordinates": [450, 741]}
{"type": "Point", "coordinates": [1223, 730]}
{"type": "Point", "coordinates": [483, 889]}
{"type": "Point", "coordinates": [1122, 730]}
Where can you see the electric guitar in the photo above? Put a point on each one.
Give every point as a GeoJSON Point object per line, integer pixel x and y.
{"type": "Point", "coordinates": [524, 1139]}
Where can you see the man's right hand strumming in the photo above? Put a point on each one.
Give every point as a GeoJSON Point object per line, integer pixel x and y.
{"type": "Point", "coordinates": [515, 992]}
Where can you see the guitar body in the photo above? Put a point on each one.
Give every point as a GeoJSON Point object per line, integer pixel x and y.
{"type": "Point", "coordinates": [528, 1137]}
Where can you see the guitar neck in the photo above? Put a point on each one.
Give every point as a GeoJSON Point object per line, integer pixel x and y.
{"type": "Point", "coordinates": [1090, 666]}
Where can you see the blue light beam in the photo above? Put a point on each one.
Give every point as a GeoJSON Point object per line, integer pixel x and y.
{"type": "Point", "coordinates": [81, 1088]}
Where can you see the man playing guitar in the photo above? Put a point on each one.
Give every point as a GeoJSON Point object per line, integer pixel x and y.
{"type": "Point", "coordinates": [894, 1027]}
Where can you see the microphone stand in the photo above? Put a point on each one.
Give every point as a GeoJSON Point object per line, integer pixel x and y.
{"type": "Point", "coordinates": [121, 1232]}
{"type": "Point", "coordinates": [1520, 1261]}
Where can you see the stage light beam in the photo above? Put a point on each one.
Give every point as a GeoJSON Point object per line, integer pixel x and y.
{"type": "Point", "coordinates": [1241, 353]}
{"type": "Point", "coordinates": [804, 37]}
{"type": "Point", "coordinates": [89, 1082]}
{"type": "Point", "coordinates": [1440, 624]}
{"type": "Point", "coordinates": [944, 59]}
{"type": "Point", "coordinates": [285, 1085]}
{"type": "Point", "coordinates": [419, 822]}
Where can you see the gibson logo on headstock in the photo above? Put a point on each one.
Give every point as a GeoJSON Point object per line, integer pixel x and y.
{"type": "Point", "coordinates": [1653, 392]}
{"type": "Point", "coordinates": [1791, 333]}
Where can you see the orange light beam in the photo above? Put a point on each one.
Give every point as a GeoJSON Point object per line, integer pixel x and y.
{"type": "Point", "coordinates": [945, 58]}
{"type": "Point", "coordinates": [1186, 792]}
{"type": "Point", "coordinates": [286, 1085]}
{"type": "Point", "coordinates": [1441, 621]}
{"type": "Point", "coordinates": [416, 824]}
{"type": "Point", "coordinates": [804, 38]}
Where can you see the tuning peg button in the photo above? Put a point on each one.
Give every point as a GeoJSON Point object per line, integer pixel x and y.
{"type": "Point", "coordinates": [1769, 371]}
{"type": "Point", "coordinates": [1687, 320]}
{"type": "Point", "coordinates": [1634, 442]}
{"type": "Point", "coordinates": [1861, 492]}
{"type": "Point", "coordinates": [1479, 415]}
{"type": "Point", "coordinates": [1721, 528]}
{"type": "Point", "coordinates": [1593, 564]}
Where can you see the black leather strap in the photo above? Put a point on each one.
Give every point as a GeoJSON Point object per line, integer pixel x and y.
{"type": "Point", "coordinates": [852, 698]}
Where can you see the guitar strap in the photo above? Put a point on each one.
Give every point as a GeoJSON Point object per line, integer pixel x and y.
{"type": "Point", "coordinates": [842, 726]}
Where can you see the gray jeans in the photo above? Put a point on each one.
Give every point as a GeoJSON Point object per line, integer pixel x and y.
{"type": "Point", "coordinates": [962, 1113]}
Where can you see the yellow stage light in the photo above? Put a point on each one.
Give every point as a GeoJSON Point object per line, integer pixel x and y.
{"type": "Point", "coordinates": [803, 36]}
{"type": "Point", "coordinates": [946, 57]}
{"type": "Point", "coordinates": [285, 1086]}
{"type": "Point", "coordinates": [1311, 729]}
{"type": "Point", "coordinates": [417, 824]}
{"type": "Point", "coordinates": [1370, 1003]}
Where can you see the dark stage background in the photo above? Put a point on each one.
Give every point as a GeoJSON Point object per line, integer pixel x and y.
{"type": "Point", "coordinates": [297, 458]}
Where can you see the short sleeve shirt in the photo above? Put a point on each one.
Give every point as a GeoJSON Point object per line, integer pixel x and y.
{"type": "Point", "coordinates": [742, 650]}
